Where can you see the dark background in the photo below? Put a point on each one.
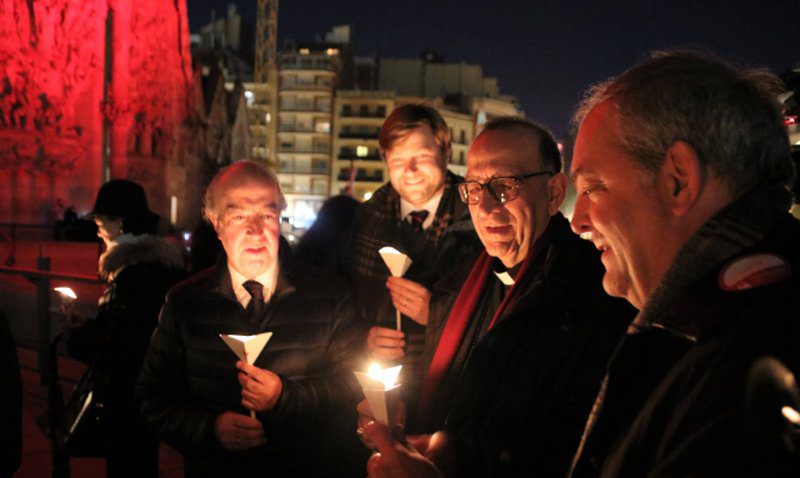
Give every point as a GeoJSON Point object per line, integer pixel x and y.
{"type": "Point", "coordinates": [544, 52]}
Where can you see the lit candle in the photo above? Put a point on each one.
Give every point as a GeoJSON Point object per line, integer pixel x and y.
{"type": "Point", "coordinates": [381, 390]}
{"type": "Point", "coordinates": [66, 292]}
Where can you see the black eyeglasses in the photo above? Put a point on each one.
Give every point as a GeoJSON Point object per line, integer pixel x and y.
{"type": "Point", "coordinates": [503, 189]}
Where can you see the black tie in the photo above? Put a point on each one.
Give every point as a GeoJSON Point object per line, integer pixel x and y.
{"type": "Point", "coordinates": [256, 304]}
{"type": "Point", "coordinates": [417, 219]}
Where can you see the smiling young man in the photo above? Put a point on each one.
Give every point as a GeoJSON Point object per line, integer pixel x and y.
{"type": "Point", "coordinates": [416, 212]}
{"type": "Point", "coordinates": [682, 165]}
{"type": "Point", "coordinates": [198, 398]}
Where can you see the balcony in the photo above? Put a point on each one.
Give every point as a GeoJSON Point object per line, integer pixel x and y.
{"type": "Point", "coordinates": [287, 107]}
{"type": "Point", "coordinates": [293, 128]}
{"type": "Point", "coordinates": [304, 170]}
{"type": "Point", "coordinates": [375, 177]}
{"type": "Point", "coordinates": [317, 190]}
{"type": "Point", "coordinates": [359, 134]}
{"type": "Point", "coordinates": [352, 156]}
{"type": "Point", "coordinates": [306, 86]}
{"type": "Point", "coordinates": [307, 63]}
{"type": "Point", "coordinates": [363, 114]}
{"type": "Point", "coordinates": [284, 148]}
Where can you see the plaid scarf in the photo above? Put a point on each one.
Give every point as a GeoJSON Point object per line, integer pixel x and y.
{"type": "Point", "coordinates": [377, 224]}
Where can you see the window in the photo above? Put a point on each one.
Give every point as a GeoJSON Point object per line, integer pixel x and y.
{"type": "Point", "coordinates": [363, 110]}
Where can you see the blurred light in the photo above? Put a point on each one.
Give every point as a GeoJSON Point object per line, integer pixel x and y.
{"type": "Point", "coordinates": [173, 210]}
{"type": "Point", "coordinates": [66, 292]}
{"type": "Point", "coordinates": [367, 196]}
{"type": "Point", "coordinates": [291, 238]}
{"type": "Point", "coordinates": [305, 51]}
{"type": "Point", "coordinates": [791, 414]}
{"type": "Point", "coordinates": [187, 235]}
{"type": "Point", "coordinates": [387, 376]}
{"type": "Point", "coordinates": [332, 51]}
{"type": "Point", "coordinates": [790, 119]}
{"type": "Point", "coordinates": [362, 151]}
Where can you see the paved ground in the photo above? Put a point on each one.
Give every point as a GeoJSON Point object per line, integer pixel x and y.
{"type": "Point", "coordinates": [17, 301]}
{"type": "Point", "coordinates": [36, 461]}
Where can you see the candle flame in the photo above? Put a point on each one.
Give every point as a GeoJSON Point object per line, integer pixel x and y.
{"type": "Point", "coordinates": [791, 414]}
{"type": "Point", "coordinates": [387, 376]}
{"type": "Point", "coordinates": [66, 292]}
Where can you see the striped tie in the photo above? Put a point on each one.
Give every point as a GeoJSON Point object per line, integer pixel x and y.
{"type": "Point", "coordinates": [417, 219]}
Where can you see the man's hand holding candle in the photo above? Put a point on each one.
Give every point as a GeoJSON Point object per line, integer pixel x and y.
{"type": "Point", "coordinates": [237, 432]}
{"type": "Point", "coordinates": [385, 344]}
{"type": "Point", "coordinates": [261, 388]}
{"type": "Point", "coordinates": [410, 298]}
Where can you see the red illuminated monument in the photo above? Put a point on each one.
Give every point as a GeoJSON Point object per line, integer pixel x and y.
{"type": "Point", "coordinates": [92, 90]}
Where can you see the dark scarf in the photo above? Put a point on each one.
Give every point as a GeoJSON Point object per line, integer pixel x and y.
{"type": "Point", "coordinates": [464, 310]}
{"type": "Point", "coordinates": [736, 227]}
{"type": "Point", "coordinates": [733, 229]}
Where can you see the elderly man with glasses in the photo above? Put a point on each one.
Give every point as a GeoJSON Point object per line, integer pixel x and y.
{"type": "Point", "coordinates": [515, 366]}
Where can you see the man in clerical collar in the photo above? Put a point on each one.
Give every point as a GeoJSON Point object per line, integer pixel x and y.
{"type": "Point", "coordinates": [417, 212]}
{"type": "Point", "coordinates": [268, 414]}
{"type": "Point", "coordinates": [513, 370]}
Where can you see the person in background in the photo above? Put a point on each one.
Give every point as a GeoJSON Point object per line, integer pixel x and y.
{"type": "Point", "coordinates": [139, 268]}
{"type": "Point", "coordinates": [10, 402]}
{"type": "Point", "coordinates": [318, 246]}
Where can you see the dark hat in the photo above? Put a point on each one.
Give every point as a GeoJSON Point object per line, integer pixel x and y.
{"type": "Point", "coordinates": [123, 199]}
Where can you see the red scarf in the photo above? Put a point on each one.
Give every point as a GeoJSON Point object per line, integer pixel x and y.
{"type": "Point", "coordinates": [460, 316]}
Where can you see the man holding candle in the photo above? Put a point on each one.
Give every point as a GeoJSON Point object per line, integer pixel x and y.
{"type": "Point", "coordinates": [419, 214]}
{"type": "Point", "coordinates": [197, 397]}
{"type": "Point", "coordinates": [515, 367]}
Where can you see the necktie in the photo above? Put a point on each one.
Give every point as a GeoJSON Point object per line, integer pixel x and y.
{"type": "Point", "coordinates": [417, 218]}
{"type": "Point", "coordinates": [256, 304]}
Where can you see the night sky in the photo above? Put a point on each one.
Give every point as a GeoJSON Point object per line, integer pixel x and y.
{"type": "Point", "coordinates": [544, 52]}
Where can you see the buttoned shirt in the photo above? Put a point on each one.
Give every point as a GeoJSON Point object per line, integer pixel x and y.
{"type": "Point", "coordinates": [268, 279]}
{"type": "Point", "coordinates": [431, 205]}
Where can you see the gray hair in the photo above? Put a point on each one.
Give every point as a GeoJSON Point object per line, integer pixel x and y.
{"type": "Point", "coordinates": [237, 174]}
{"type": "Point", "coordinates": [729, 115]}
{"type": "Point", "coordinates": [548, 149]}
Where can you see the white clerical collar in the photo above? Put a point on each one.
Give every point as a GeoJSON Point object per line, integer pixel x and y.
{"type": "Point", "coordinates": [431, 206]}
{"type": "Point", "coordinates": [268, 279]}
{"type": "Point", "coordinates": [501, 271]}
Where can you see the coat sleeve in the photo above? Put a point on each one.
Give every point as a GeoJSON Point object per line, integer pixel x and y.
{"type": "Point", "coordinates": [334, 389]}
{"type": "Point", "coordinates": [162, 392]}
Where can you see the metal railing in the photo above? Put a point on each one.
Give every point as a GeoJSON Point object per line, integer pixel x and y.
{"type": "Point", "coordinates": [42, 278]}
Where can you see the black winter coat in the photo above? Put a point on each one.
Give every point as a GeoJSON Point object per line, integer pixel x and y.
{"type": "Point", "coordinates": [531, 380]}
{"type": "Point", "coordinates": [140, 270]}
{"type": "Point", "coordinates": [677, 403]}
{"type": "Point", "coordinates": [189, 375]}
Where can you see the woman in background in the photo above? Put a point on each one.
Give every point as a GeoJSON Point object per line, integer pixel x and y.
{"type": "Point", "coordinates": [139, 269]}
